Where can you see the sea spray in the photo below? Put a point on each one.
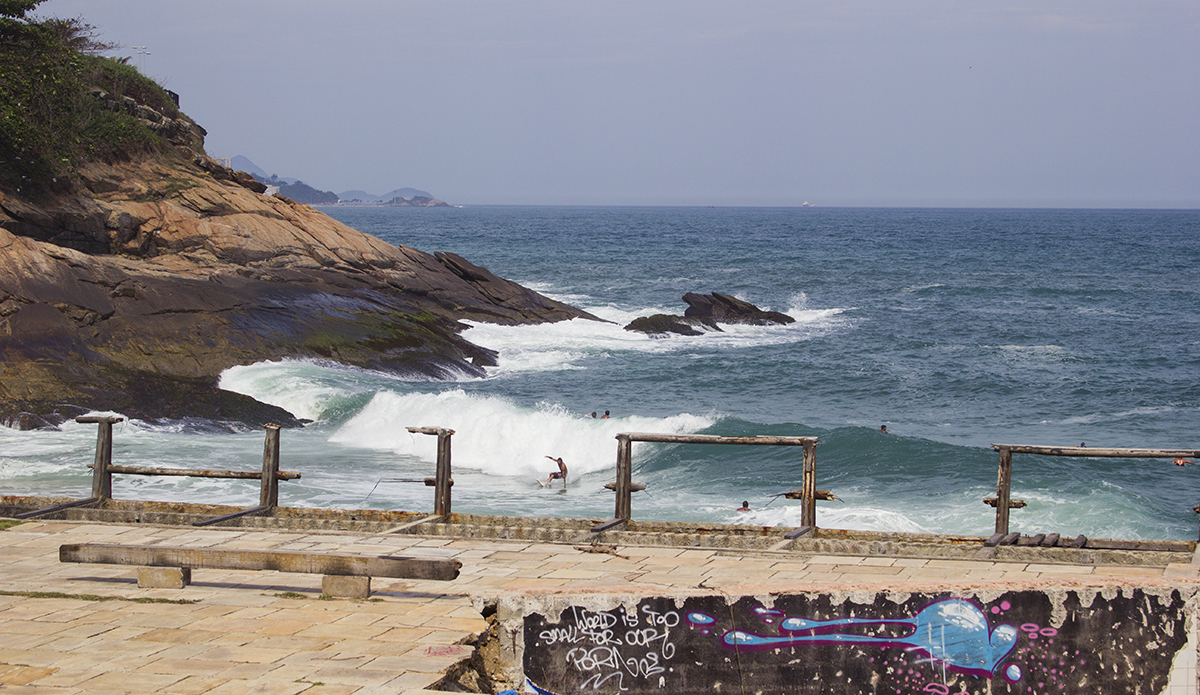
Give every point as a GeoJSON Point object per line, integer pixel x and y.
{"type": "Point", "coordinates": [497, 437]}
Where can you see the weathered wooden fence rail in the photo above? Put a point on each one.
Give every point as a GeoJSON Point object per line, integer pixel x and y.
{"type": "Point", "coordinates": [103, 470]}
{"type": "Point", "coordinates": [625, 487]}
{"type": "Point", "coordinates": [1003, 501]}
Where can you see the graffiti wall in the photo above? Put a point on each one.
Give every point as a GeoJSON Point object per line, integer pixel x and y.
{"type": "Point", "coordinates": [1033, 643]}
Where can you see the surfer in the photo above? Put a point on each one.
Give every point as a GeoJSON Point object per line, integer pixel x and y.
{"type": "Point", "coordinates": [1181, 461]}
{"type": "Point", "coordinates": [561, 473]}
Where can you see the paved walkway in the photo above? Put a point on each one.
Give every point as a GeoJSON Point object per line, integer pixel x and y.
{"type": "Point", "coordinates": [270, 632]}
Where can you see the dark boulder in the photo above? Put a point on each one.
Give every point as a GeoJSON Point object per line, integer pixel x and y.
{"type": "Point", "coordinates": [722, 308]}
{"type": "Point", "coordinates": [706, 311]}
{"type": "Point", "coordinates": [659, 325]}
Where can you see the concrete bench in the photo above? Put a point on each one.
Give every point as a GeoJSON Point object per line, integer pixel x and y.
{"type": "Point", "coordinates": [344, 575]}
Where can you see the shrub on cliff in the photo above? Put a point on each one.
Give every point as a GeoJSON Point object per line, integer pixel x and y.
{"type": "Point", "coordinates": [50, 121]}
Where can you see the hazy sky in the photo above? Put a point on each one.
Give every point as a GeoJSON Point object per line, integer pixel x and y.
{"type": "Point", "coordinates": [688, 102]}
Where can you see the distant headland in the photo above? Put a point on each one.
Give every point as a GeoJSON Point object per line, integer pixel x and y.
{"type": "Point", "coordinates": [301, 192]}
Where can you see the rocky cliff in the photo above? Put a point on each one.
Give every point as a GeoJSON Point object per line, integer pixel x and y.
{"type": "Point", "coordinates": [136, 290]}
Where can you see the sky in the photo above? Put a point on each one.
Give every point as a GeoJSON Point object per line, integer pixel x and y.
{"type": "Point", "coordinates": [921, 103]}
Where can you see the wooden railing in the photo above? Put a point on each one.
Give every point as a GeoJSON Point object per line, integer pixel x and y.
{"type": "Point", "coordinates": [1003, 501]}
{"type": "Point", "coordinates": [103, 470]}
{"type": "Point", "coordinates": [624, 486]}
{"type": "Point", "coordinates": [442, 482]}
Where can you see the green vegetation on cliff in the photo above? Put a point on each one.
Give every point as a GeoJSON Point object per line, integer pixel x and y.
{"type": "Point", "coordinates": [62, 105]}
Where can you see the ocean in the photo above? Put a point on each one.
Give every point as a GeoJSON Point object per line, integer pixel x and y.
{"type": "Point", "coordinates": [956, 328]}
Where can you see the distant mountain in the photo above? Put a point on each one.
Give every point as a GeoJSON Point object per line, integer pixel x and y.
{"type": "Point", "coordinates": [364, 197]}
{"type": "Point", "coordinates": [301, 192]}
{"type": "Point", "coordinates": [242, 163]}
{"type": "Point", "coordinates": [361, 196]}
{"type": "Point", "coordinates": [406, 193]}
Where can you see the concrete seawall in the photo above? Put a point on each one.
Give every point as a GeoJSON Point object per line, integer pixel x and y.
{"type": "Point", "coordinates": [562, 611]}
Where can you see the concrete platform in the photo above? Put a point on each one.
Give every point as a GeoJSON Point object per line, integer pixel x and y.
{"type": "Point", "coordinates": [269, 632]}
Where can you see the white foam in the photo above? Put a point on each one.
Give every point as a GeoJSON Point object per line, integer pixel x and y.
{"type": "Point", "coordinates": [1120, 415]}
{"type": "Point", "coordinates": [307, 388]}
{"type": "Point", "coordinates": [568, 345]}
{"type": "Point", "coordinates": [855, 518]}
{"type": "Point", "coordinates": [495, 436]}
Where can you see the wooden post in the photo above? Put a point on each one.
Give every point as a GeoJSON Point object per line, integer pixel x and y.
{"type": "Point", "coordinates": [269, 489]}
{"type": "Point", "coordinates": [1003, 490]}
{"type": "Point", "coordinates": [101, 475]}
{"type": "Point", "coordinates": [442, 482]}
{"type": "Point", "coordinates": [808, 508]}
{"type": "Point", "coordinates": [624, 509]}
{"type": "Point", "coordinates": [441, 489]}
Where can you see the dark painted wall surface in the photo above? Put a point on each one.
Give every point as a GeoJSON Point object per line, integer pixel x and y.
{"type": "Point", "coordinates": [1028, 642]}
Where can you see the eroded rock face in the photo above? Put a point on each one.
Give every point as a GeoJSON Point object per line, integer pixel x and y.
{"type": "Point", "coordinates": [136, 295]}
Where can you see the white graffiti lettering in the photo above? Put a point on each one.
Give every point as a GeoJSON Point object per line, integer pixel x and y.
{"type": "Point", "coordinates": [597, 651]}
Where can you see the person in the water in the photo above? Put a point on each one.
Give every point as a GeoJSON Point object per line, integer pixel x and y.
{"type": "Point", "coordinates": [745, 506]}
{"type": "Point", "coordinates": [560, 474]}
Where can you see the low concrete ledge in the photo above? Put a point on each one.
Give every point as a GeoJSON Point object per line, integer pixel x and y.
{"type": "Point", "coordinates": [705, 536]}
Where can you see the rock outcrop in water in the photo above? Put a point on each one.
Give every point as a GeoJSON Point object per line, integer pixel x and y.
{"type": "Point", "coordinates": [137, 290]}
{"type": "Point", "coordinates": [706, 311]}
{"type": "Point", "coordinates": [722, 308]}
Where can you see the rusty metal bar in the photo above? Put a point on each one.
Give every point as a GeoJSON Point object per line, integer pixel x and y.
{"type": "Point", "coordinates": [56, 508]}
{"type": "Point", "coordinates": [252, 511]}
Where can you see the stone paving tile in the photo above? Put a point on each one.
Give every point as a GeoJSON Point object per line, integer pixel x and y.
{"type": "Point", "coordinates": [195, 685]}
{"type": "Point", "coordinates": [1126, 571]}
{"type": "Point", "coordinates": [869, 570]}
{"type": "Point", "coordinates": [186, 667]}
{"type": "Point", "coordinates": [129, 681]}
{"type": "Point", "coordinates": [64, 677]}
{"type": "Point", "coordinates": [830, 560]}
{"type": "Point", "coordinates": [24, 675]}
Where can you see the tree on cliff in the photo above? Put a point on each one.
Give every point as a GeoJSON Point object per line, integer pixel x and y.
{"type": "Point", "coordinates": [62, 105]}
{"type": "Point", "coordinates": [17, 9]}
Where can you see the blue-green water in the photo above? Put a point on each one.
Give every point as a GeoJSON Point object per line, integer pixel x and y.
{"type": "Point", "coordinates": [955, 328]}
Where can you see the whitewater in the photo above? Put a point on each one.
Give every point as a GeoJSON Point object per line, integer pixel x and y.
{"type": "Point", "coordinates": [955, 328]}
